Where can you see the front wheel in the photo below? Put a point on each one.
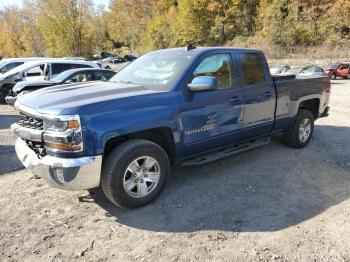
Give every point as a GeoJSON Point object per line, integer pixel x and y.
{"type": "Point", "coordinates": [135, 173]}
{"type": "Point", "coordinates": [3, 94]}
{"type": "Point", "coordinates": [333, 76]}
{"type": "Point", "coordinates": [300, 132]}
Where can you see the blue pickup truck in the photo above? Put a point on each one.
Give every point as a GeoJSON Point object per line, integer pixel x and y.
{"type": "Point", "coordinates": [185, 106]}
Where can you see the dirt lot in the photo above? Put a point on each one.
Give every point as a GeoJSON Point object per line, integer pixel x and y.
{"type": "Point", "coordinates": [271, 204]}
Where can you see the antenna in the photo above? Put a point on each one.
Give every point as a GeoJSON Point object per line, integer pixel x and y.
{"type": "Point", "coordinates": [190, 47]}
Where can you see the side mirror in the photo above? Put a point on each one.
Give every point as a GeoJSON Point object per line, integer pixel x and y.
{"type": "Point", "coordinates": [201, 83]}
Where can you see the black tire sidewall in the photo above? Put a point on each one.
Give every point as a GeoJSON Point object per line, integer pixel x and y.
{"type": "Point", "coordinates": [117, 163]}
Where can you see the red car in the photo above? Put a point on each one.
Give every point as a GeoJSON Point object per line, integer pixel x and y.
{"type": "Point", "coordinates": [338, 70]}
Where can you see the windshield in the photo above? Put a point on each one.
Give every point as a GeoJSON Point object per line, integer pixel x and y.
{"type": "Point", "coordinates": [4, 66]}
{"type": "Point", "coordinates": [332, 66]}
{"type": "Point", "coordinates": [62, 76]}
{"type": "Point", "coordinates": [308, 70]}
{"type": "Point", "coordinates": [19, 69]}
{"type": "Point", "coordinates": [153, 70]}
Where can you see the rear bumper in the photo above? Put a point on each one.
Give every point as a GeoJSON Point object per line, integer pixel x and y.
{"type": "Point", "coordinates": [10, 100]}
{"type": "Point", "coordinates": [64, 173]}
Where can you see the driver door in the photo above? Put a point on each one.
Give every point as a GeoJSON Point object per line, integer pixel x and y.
{"type": "Point", "coordinates": [343, 70]}
{"type": "Point", "coordinates": [38, 72]}
{"type": "Point", "coordinates": [212, 118]}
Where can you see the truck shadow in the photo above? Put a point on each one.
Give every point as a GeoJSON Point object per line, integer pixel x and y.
{"type": "Point", "coordinates": [268, 189]}
{"type": "Point", "coordinates": [7, 120]}
{"type": "Point", "coordinates": [8, 160]}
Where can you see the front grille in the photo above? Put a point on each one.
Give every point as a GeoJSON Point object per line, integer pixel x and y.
{"type": "Point", "coordinates": [30, 122]}
{"type": "Point", "coordinates": [37, 147]}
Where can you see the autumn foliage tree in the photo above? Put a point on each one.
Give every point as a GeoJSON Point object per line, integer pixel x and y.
{"type": "Point", "coordinates": [79, 28]}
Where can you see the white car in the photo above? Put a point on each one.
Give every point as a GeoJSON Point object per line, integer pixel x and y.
{"type": "Point", "coordinates": [38, 70]}
{"type": "Point", "coordinates": [8, 64]}
{"type": "Point", "coordinates": [282, 69]}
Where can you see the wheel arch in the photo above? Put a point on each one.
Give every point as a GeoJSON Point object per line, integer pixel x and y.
{"type": "Point", "coordinates": [311, 102]}
{"type": "Point", "coordinates": [162, 136]}
{"type": "Point", "coordinates": [313, 105]}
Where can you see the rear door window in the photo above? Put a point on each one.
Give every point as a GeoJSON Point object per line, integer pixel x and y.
{"type": "Point", "coordinates": [252, 67]}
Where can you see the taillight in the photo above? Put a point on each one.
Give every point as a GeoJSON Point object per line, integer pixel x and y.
{"type": "Point", "coordinates": [328, 89]}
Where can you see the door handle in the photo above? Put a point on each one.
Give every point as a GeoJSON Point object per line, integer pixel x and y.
{"type": "Point", "coordinates": [267, 94]}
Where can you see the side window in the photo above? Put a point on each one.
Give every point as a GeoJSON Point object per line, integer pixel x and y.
{"type": "Point", "coordinates": [81, 77]}
{"type": "Point", "coordinates": [37, 71]}
{"type": "Point", "coordinates": [104, 76]}
{"type": "Point", "coordinates": [219, 66]}
{"type": "Point", "coordinates": [10, 66]}
{"type": "Point", "coordinates": [252, 68]}
{"type": "Point", "coordinates": [81, 66]}
{"type": "Point", "coordinates": [59, 68]}
{"type": "Point", "coordinates": [13, 65]}
{"type": "Point", "coordinates": [343, 66]}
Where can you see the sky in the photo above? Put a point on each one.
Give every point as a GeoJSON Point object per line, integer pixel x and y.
{"type": "Point", "coordinates": [18, 2]}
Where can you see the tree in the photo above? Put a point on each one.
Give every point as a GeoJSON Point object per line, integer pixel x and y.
{"type": "Point", "coordinates": [12, 41]}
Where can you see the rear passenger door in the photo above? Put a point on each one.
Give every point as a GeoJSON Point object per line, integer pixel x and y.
{"type": "Point", "coordinates": [259, 91]}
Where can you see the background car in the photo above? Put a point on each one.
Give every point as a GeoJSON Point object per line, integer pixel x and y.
{"type": "Point", "coordinates": [38, 70]}
{"type": "Point", "coordinates": [312, 71]}
{"type": "Point", "coordinates": [129, 58]}
{"type": "Point", "coordinates": [275, 70]}
{"type": "Point", "coordinates": [8, 64]}
{"type": "Point", "coordinates": [338, 70]}
{"type": "Point", "coordinates": [66, 77]}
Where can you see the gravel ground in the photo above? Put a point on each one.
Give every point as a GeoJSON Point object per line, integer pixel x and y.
{"type": "Point", "coordinates": [270, 204]}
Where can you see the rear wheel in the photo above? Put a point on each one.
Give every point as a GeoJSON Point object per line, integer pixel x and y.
{"type": "Point", "coordinates": [300, 133]}
{"type": "Point", "coordinates": [135, 173]}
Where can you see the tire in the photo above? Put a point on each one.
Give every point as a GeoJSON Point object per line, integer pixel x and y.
{"type": "Point", "coordinates": [3, 94]}
{"type": "Point", "coordinates": [117, 176]}
{"type": "Point", "coordinates": [296, 137]}
{"type": "Point", "coordinates": [333, 76]}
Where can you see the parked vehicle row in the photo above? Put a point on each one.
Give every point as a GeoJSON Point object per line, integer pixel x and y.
{"type": "Point", "coordinates": [10, 63]}
{"type": "Point", "coordinates": [66, 77]}
{"type": "Point", "coordinates": [331, 70]}
{"type": "Point", "coordinates": [114, 59]}
{"type": "Point", "coordinates": [38, 70]}
{"type": "Point", "coordinates": [186, 106]}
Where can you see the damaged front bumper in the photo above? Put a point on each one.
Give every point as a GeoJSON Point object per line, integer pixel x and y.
{"type": "Point", "coordinates": [65, 173]}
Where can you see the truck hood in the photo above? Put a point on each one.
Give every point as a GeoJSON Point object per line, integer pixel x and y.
{"type": "Point", "coordinates": [24, 84]}
{"type": "Point", "coordinates": [56, 99]}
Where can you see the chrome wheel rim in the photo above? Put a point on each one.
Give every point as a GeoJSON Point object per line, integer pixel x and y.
{"type": "Point", "coordinates": [141, 177]}
{"type": "Point", "coordinates": [304, 130]}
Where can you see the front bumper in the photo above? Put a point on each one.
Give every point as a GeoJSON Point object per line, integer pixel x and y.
{"type": "Point", "coordinates": [65, 173]}
{"type": "Point", "coordinates": [325, 112]}
{"type": "Point", "coordinates": [10, 100]}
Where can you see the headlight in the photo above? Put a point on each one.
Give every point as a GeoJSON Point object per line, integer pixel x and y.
{"type": "Point", "coordinates": [63, 133]}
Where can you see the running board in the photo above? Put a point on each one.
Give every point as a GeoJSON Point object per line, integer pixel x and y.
{"type": "Point", "coordinates": [226, 151]}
